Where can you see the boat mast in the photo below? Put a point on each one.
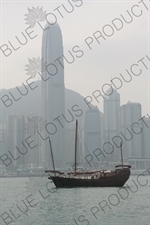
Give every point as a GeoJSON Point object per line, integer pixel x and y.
{"type": "Point", "coordinates": [52, 155]}
{"type": "Point", "coordinates": [121, 154]}
{"type": "Point", "coordinates": [75, 158]}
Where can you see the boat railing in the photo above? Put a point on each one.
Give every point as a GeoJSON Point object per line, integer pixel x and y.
{"type": "Point", "coordinates": [123, 166]}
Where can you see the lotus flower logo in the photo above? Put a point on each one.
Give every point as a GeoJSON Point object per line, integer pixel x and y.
{"type": "Point", "coordinates": [35, 15]}
{"type": "Point", "coordinates": [36, 66]}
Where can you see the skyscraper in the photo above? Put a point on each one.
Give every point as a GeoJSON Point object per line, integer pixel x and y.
{"type": "Point", "coordinates": [112, 121]}
{"type": "Point", "coordinates": [70, 133]}
{"type": "Point", "coordinates": [131, 113]}
{"type": "Point", "coordinates": [15, 135]}
{"type": "Point", "coordinates": [2, 141]}
{"type": "Point", "coordinates": [92, 132]}
{"type": "Point", "coordinates": [33, 157]}
{"type": "Point", "coordinates": [146, 140]}
{"type": "Point", "coordinates": [53, 99]}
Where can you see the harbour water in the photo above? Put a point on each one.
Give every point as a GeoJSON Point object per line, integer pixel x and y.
{"type": "Point", "coordinates": [26, 201]}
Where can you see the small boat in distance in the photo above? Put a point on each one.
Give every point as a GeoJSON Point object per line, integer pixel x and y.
{"type": "Point", "coordinates": [97, 178]}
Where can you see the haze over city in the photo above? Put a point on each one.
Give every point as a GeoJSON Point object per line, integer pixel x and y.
{"type": "Point", "coordinates": [99, 64]}
{"type": "Point", "coordinates": [96, 63]}
{"type": "Point", "coordinates": [74, 112]}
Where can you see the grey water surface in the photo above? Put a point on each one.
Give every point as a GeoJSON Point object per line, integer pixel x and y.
{"type": "Point", "coordinates": [25, 201]}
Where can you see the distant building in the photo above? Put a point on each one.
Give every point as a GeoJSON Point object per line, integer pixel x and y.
{"type": "Point", "coordinates": [92, 132]}
{"type": "Point", "coordinates": [146, 139]}
{"type": "Point", "coordinates": [21, 137]}
{"type": "Point", "coordinates": [131, 113]}
{"type": "Point", "coordinates": [34, 156]}
{"type": "Point", "coordinates": [15, 135]}
{"type": "Point", "coordinates": [2, 142]}
{"type": "Point", "coordinates": [112, 122]}
{"type": "Point", "coordinates": [70, 133]}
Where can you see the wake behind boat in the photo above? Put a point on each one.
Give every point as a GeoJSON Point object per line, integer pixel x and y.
{"type": "Point", "coordinates": [97, 178]}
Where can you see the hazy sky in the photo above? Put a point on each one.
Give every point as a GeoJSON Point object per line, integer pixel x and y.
{"type": "Point", "coordinates": [98, 65]}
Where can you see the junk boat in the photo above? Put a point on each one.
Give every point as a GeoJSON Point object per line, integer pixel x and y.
{"type": "Point", "coordinates": [97, 178]}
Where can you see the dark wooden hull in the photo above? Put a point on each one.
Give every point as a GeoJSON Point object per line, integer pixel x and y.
{"type": "Point", "coordinates": [116, 180]}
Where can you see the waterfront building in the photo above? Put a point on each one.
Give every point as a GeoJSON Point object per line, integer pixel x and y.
{"type": "Point", "coordinates": [15, 135]}
{"type": "Point", "coordinates": [112, 124]}
{"type": "Point", "coordinates": [92, 132]}
{"type": "Point", "coordinates": [2, 142]}
{"type": "Point", "coordinates": [130, 114]}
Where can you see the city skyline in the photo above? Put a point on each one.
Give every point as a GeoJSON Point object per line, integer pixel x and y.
{"type": "Point", "coordinates": [135, 145]}
{"type": "Point", "coordinates": [55, 60]}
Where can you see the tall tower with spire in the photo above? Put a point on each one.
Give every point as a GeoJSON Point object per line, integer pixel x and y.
{"type": "Point", "coordinates": [53, 97]}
